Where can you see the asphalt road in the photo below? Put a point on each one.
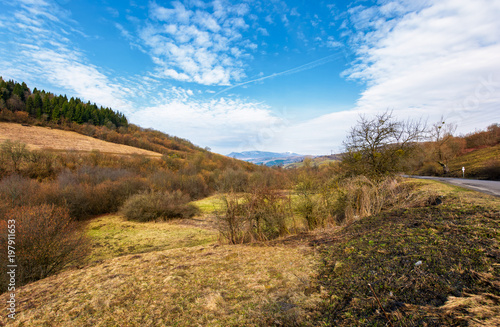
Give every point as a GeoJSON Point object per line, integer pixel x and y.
{"type": "Point", "coordinates": [489, 187]}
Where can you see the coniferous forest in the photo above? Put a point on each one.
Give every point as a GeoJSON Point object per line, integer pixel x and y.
{"type": "Point", "coordinates": [47, 106]}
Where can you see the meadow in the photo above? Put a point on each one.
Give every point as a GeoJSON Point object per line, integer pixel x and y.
{"type": "Point", "coordinates": [171, 234]}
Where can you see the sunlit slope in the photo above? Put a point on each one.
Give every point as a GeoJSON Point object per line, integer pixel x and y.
{"type": "Point", "coordinates": [38, 138]}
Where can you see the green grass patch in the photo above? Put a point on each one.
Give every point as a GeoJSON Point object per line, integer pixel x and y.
{"type": "Point", "coordinates": [209, 205]}
{"type": "Point", "coordinates": [114, 236]}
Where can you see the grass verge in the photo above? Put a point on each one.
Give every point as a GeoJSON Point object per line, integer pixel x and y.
{"type": "Point", "coordinates": [431, 264]}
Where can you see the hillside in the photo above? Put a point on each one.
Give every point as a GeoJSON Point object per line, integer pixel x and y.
{"type": "Point", "coordinates": [145, 274]}
{"type": "Point", "coordinates": [481, 163]}
{"type": "Point", "coordinates": [48, 139]}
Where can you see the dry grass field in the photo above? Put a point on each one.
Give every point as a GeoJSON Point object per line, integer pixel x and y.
{"type": "Point", "coordinates": [170, 274]}
{"type": "Point", "coordinates": [38, 138]}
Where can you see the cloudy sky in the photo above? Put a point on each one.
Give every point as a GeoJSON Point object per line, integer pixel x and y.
{"type": "Point", "coordinates": [262, 74]}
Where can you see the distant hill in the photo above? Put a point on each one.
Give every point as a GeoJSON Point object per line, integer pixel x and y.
{"type": "Point", "coordinates": [268, 158]}
{"type": "Point", "coordinates": [316, 161]}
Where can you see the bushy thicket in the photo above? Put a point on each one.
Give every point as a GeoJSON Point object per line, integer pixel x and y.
{"type": "Point", "coordinates": [151, 206]}
{"type": "Point", "coordinates": [46, 240]}
{"type": "Point", "coordinates": [95, 183]}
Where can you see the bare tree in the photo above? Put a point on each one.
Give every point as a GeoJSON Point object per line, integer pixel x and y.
{"type": "Point", "coordinates": [381, 145]}
{"type": "Point", "coordinates": [441, 134]}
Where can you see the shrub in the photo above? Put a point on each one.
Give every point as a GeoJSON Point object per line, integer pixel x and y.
{"type": "Point", "coordinates": [46, 241]}
{"type": "Point", "coordinates": [258, 216]}
{"type": "Point", "coordinates": [231, 222]}
{"type": "Point", "coordinates": [158, 205]}
{"type": "Point", "coordinates": [313, 210]}
{"type": "Point", "coordinates": [85, 200]}
{"type": "Point", "coordinates": [13, 153]}
{"type": "Point", "coordinates": [267, 212]}
{"type": "Point", "coordinates": [430, 169]}
{"type": "Point", "coordinates": [233, 180]}
{"type": "Point", "coordinates": [194, 186]}
{"type": "Point", "coordinates": [41, 165]}
{"type": "Point", "coordinates": [360, 197]}
{"type": "Point", "coordinates": [311, 203]}
{"type": "Point", "coordinates": [19, 190]}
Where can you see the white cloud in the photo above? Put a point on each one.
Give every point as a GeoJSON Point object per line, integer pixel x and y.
{"type": "Point", "coordinates": [432, 61]}
{"type": "Point", "coordinates": [47, 57]}
{"type": "Point", "coordinates": [331, 43]}
{"type": "Point", "coordinates": [194, 44]}
{"type": "Point", "coordinates": [65, 69]}
{"type": "Point", "coordinates": [294, 12]}
{"type": "Point", "coordinates": [263, 31]}
{"type": "Point", "coordinates": [223, 124]}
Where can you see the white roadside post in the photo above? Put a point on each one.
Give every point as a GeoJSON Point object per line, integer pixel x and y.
{"type": "Point", "coordinates": [463, 172]}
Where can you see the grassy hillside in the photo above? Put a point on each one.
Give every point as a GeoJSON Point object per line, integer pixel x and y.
{"type": "Point", "coordinates": [481, 163]}
{"type": "Point", "coordinates": [173, 274]}
{"type": "Point", "coordinates": [424, 265]}
{"type": "Point", "coordinates": [176, 273]}
{"type": "Point", "coordinates": [48, 139]}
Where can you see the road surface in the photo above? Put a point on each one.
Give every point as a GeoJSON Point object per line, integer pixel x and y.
{"type": "Point", "coordinates": [489, 187]}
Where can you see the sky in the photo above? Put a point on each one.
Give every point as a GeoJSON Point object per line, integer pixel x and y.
{"type": "Point", "coordinates": [265, 75]}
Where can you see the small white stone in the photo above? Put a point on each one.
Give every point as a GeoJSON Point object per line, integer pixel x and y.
{"type": "Point", "coordinates": [418, 263]}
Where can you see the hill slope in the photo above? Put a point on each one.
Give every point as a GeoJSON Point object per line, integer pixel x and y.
{"type": "Point", "coordinates": [44, 138]}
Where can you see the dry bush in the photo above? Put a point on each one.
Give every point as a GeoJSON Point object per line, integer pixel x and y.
{"type": "Point", "coordinates": [313, 210]}
{"type": "Point", "coordinates": [258, 216]}
{"type": "Point", "coordinates": [232, 180]}
{"type": "Point", "coordinates": [12, 155]}
{"type": "Point", "coordinates": [430, 169]}
{"type": "Point", "coordinates": [312, 202]}
{"type": "Point", "coordinates": [360, 197]}
{"type": "Point", "coordinates": [92, 175]}
{"type": "Point", "coordinates": [85, 200]}
{"type": "Point", "coordinates": [267, 211]}
{"type": "Point", "coordinates": [46, 241]}
{"type": "Point", "coordinates": [231, 222]}
{"type": "Point", "coordinates": [194, 186]}
{"type": "Point", "coordinates": [158, 205]}
{"type": "Point", "coordinates": [19, 190]}
{"type": "Point", "coordinates": [40, 165]}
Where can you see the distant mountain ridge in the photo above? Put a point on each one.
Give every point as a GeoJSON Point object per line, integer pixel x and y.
{"type": "Point", "coordinates": [268, 158]}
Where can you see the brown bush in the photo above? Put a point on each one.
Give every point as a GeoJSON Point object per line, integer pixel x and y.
{"type": "Point", "coordinates": [158, 205]}
{"type": "Point", "coordinates": [46, 241]}
{"type": "Point", "coordinates": [360, 197]}
{"type": "Point", "coordinates": [19, 191]}
{"type": "Point", "coordinates": [194, 186]}
{"type": "Point", "coordinates": [258, 216]}
{"type": "Point", "coordinates": [84, 200]}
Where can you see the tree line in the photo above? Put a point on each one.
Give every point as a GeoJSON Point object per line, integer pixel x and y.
{"type": "Point", "coordinates": [46, 106]}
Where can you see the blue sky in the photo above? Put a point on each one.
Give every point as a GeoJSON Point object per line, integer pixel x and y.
{"type": "Point", "coordinates": [262, 75]}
